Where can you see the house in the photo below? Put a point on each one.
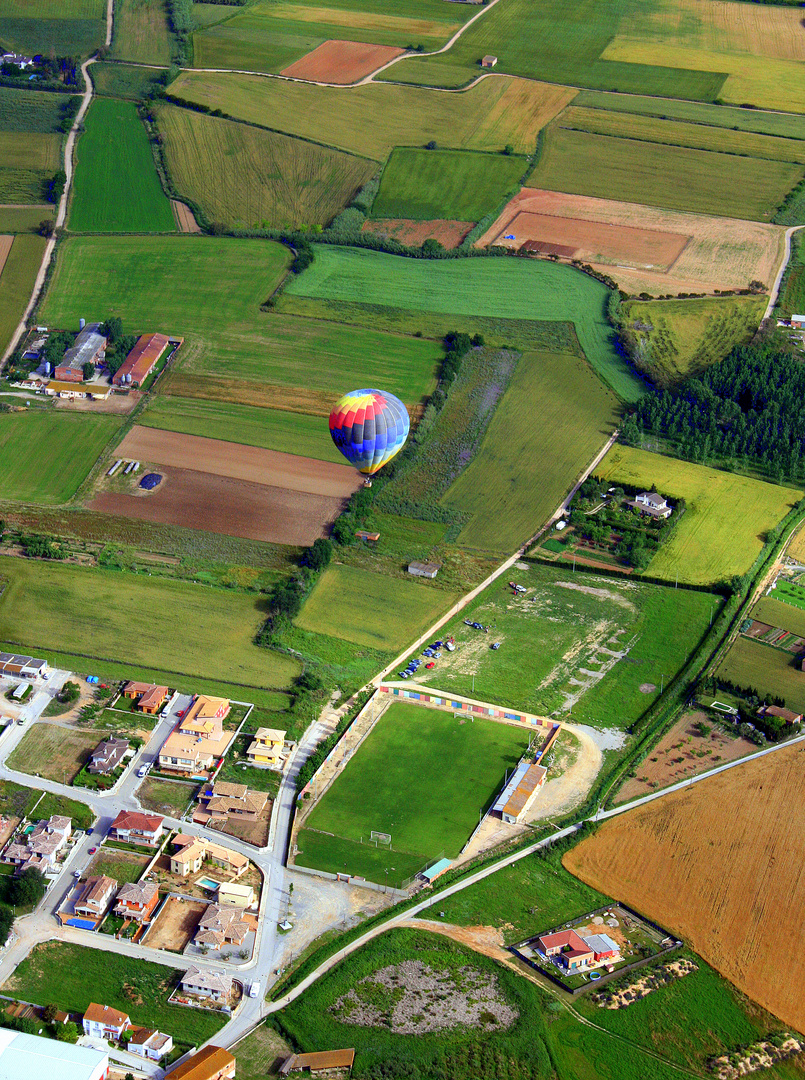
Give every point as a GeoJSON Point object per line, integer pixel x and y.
{"type": "Point", "coordinates": [137, 366]}
{"type": "Point", "coordinates": [88, 348]}
{"type": "Point", "coordinates": [27, 666]}
{"type": "Point", "coordinates": [649, 502]}
{"type": "Point", "coordinates": [151, 696]}
{"type": "Point", "coordinates": [199, 738]}
{"type": "Point", "coordinates": [367, 537]}
{"type": "Point", "coordinates": [569, 949]}
{"type": "Point", "coordinates": [26, 1057]}
{"type": "Point", "coordinates": [266, 746]}
{"type": "Point", "coordinates": [208, 983]}
{"type": "Point", "coordinates": [39, 848]}
{"type": "Point", "coordinates": [488, 61]}
{"type": "Point", "coordinates": [798, 322]}
{"type": "Point", "coordinates": [107, 755]}
{"type": "Point", "coordinates": [520, 792]}
{"type": "Point", "coordinates": [136, 901]}
{"type": "Point", "coordinates": [781, 714]}
{"type": "Point", "coordinates": [220, 926]}
{"type": "Point", "coordinates": [190, 853]}
{"type": "Point", "coordinates": [424, 569]}
{"type": "Point", "coordinates": [104, 1022]}
{"type": "Point", "coordinates": [95, 896]}
{"type": "Point", "coordinates": [321, 1063]}
{"type": "Point", "coordinates": [210, 1063]}
{"type": "Point", "coordinates": [224, 801]}
{"type": "Point", "coordinates": [18, 60]}
{"type": "Point", "coordinates": [604, 948]}
{"type": "Point", "coordinates": [150, 1044]}
{"type": "Point", "coordinates": [132, 827]}
{"type": "Point", "coordinates": [231, 894]}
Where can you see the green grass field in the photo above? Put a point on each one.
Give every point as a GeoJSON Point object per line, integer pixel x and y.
{"type": "Point", "coordinates": [116, 185]}
{"type": "Point", "coordinates": [17, 281]}
{"type": "Point", "coordinates": [30, 110]}
{"type": "Point", "coordinates": [789, 593]}
{"type": "Point", "coordinates": [373, 119]}
{"type": "Point", "coordinates": [107, 614]}
{"type": "Point", "coordinates": [559, 631]}
{"type": "Point", "coordinates": [457, 184]}
{"type": "Point", "coordinates": [507, 288]}
{"type": "Point", "coordinates": [689, 335]}
{"type": "Point", "coordinates": [673, 177]}
{"type": "Point", "coordinates": [24, 219]}
{"type": "Point", "coordinates": [769, 671]}
{"type": "Point", "coordinates": [121, 80]}
{"type": "Point", "coordinates": [727, 517]}
{"type": "Point", "coordinates": [209, 290]}
{"type": "Point", "coordinates": [792, 297]}
{"type": "Point", "coordinates": [141, 32]}
{"type": "Point", "coordinates": [71, 976]}
{"type": "Point", "coordinates": [244, 176]}
{"type": "Point", "coordinates": [274, 429]}
{"type": "Point", "coordinates": [47, 455]}
{"type": "Point", "coordinates": [524, 469]}
{"type": "Point", "coordinates": [454, 768]}
{"type": "Point", "coordinates": [69, 28]}
{"type": "Point", "coordinates": [369, 609]}
{"type": "Point", "coordinates": [777, 610]}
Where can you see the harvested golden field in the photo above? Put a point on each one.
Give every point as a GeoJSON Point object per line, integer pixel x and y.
{"type": "Point", "coordinates": [29, 150]}
{"type": "Point", "coordinates": [721, 253]}
{"type": "Point", "coordinates": [243, 175]}
{"type": "Point", "coordinates": [373, 119]}
{"type": "Point", "coordinates": [722, 864]}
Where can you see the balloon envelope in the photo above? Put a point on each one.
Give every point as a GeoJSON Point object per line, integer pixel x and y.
{"type": "Point", "coordinates": [369, 427]}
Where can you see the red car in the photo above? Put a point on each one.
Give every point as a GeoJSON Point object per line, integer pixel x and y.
{"type": "Point", "coordinates": [431, 664]}
{"type": "Point", "coordinates": [92, 850]}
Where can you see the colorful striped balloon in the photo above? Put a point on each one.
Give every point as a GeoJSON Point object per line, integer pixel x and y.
{"type": "Point", "coordinates": [369, 427]}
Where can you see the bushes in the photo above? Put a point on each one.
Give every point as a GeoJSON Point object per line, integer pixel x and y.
{"type": "Point", "coordinates": [55, 186]}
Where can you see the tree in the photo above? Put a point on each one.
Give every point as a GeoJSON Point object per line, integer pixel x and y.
{"type": "Point", "coordinates": [112, 329]}
{"type": "Point", "coordinates": [508, 150]}
{"type": "Point", "coordinates": [70, 691]}
{"type": "Point", "coordinates": [318, 556]}
{"type": "Point", "coordinates": [309, 680]}
{"type": "Point", "coordinates": [431, 248]}
{"type": "Point", "coordinates": [67, 1032]}
{"type": "Point", "coordinates": [88, 371]}
{"type": "Point", "coordinates": [6, 922]}
{"type": "Point", "coordinates": [49, 1013]}
{"type": "Point", "coordinates": [27, 889]}
{"type": "Point", "coordinates": [46, 227]}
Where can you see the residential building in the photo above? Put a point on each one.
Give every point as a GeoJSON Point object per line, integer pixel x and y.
{"type": "Point", "coordinates": [424, 569]}
{"type": "Point", "coordinates": [136, 901]}
{"type": "Point", "coordinates": [224, 801]}
{"type": "Point", "coordinates": [210, 1063]}
{"type": "Point", "coordinates": [40, 847]}
{"type": "Point", "coordinates": [191, 852]}
{"type": "Point", "coordinates": [88, 348]}
{"type": "Point", "coordinates": [221, 926]}
{"type": "Point", "coordinates": [232, 895]}
{"type": "Point", "coordinates": [207, 984]}
{"type": "Point", "coordinates": [569, 948]}
{"type": "Point", "coordinates": [199, 738]}
{"type": "Point", "coordinates": [320, 1063]}
{"type": "Point", "coordinates": [151, 696]}
{"type": "Point", "coordinates": [104, 1022]}
{"type": "Point", "coordinates": [781, 714]}
{"type": "Point", "coordinates": [150, 1044]}
{"type": "Point", "coordinates": [266, 746]}
{"type": "Point", "coordinates": [95, 896]}
{"type": "Point", "coordinates": [137, 366]}
{"type": "Point", "coordinates": [107, 755]}
{"type": "Point", "coordinates": [132, 827]}
{"type": "Point", "coordinates": [604, 948]}
{"type": "Point", "coordinates": [18, 60]}
{"type": "Point", "coordinates": [520, 792]}
{"type": "Point", "coordinates": [649, 502]}
{"type": "Point", "coordinates": [28, 1057]}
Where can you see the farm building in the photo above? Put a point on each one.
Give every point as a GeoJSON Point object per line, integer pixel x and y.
{"type": "Point", "coordinates": [798, 322]}
{"type": "Point", "coordinates": [23, 1056]}
{"type": "Point", "coordinates": [93, 391]}
{"type": "Point", "coordinates": [367, 537]}
{"type": "Point", "coordinates": [520, 792]}
{"type": "Point", "coordinates": [781, 714]}
{"type": "Point", "coordinates": [321, 1063]}
{"type": "Point", "coordinates": [140, 362]}
{"type": "Point", "coordinates": [438, 868]}
{"type": "Point", "coordinates": [88, 348]}
{"type": "Point", "coordinates": [424, 569]}
{"type": "Point", "coordinates": [27, 666]}
{"type": "Point", "coordinates": [488, 61]}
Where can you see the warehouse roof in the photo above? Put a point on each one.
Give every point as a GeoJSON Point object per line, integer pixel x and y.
{"type": "Point", "coordinates": [23, 1056]}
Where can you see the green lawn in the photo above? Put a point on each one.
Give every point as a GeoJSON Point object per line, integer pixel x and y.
{"type": "Point", "coordinates": [68, 28]}
{"type": "Point", "coordinates": [770, 672]}
{"type": "Point", "coordinates": [506, 288]}
{"type": "Point", "coordinates": [141, 32]}
{"type": "Point", "coordinates": [48, 454]}
{"type": "Point", "coordinates": [458, 184]}
{"type": "Point", "coordinates": [423, 776]}
{"type": "Point", "coordinates": [107, 614]}
{"type": "Point", "coordinates": [116, 187]}
{"type": "Point", "coordinates": [726, 521]}
{"type": "Point", "coordinates": [24, 219]}
{"type": "Point", "coordinates": [17, 281]}
{"type": "Point", "coordinates": [564, 628]}
{"type": "Point", "coordinates": [372, 610]}
{"type": "Point", "coordinates": [209, 290]}
{"type": "Point", "coordinates": [30, 110]}
{"type": "Point", "coordinates": [789, 593]}
{"type": "Point", "coordinates": [121, 80]}
{"type": "Point", "coordinates": [71, 976]}
{"type": "Point", "coordinates": [672, 177]}
{"type": "Point", "coordinates": [274, 429]}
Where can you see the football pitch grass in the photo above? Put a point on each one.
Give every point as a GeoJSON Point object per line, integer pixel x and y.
{"type": "Point", "coordinates": [422, 775]}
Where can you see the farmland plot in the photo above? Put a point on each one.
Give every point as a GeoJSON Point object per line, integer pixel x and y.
{"type": "Point", "coordinates": [341, 62]}
{"type": "Point", "coordinates": [141, 32]}
{"type": "Point", "coordinates": [69, 28]}
{"type": "Point", "coordinates": [19, 273]}
{"type": "Point", "coordinates": [30, 110]}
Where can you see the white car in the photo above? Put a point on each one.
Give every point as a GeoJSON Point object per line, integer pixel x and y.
{"type": "Point", "coordinates": [254, 989]}
{"type": "Point", "coordinates": [143, 770]}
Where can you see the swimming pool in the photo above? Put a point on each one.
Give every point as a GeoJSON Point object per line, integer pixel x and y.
{"type": "Point", "coordinates": [208, 883]}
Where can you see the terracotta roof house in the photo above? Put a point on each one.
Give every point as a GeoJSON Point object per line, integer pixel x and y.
{"type": "Point", "coordinates": [223, 801]}
{"type": "Point", "coordinates": [95, 896]}
{"type": "Point", "coordinates": [41, 845]}
{"type": "Point", "coordinates": [137, 366]}
{"type": "Point", "coordinates": [107, 755]}
{"type": "Point", "coordinates": [220, 926]}
{"type": "Point", "coordinates": [781, 714]}
{"type": "Point", "coordinates": [104, 1022]}
{"type": "Point", "coordinates": [136, 901]}
{"type": "Point", "coordinates": [150, 1044]}
{"type": "Point", "coordinates": [134, 689]}
{"type": "Point", "coordinates": [199, 738]}
{"type": "Point", "coordinates": [266, 746]}
{"type": "Point", "coordinates": [130, 826]}
{"type": "Point", "coordinates": [569, 948]}
{"type": "Point", "coordinates": [192, 852]}
{"type": "Point", "coordinates": [208, 983]}
{"type": "Point", "coordinates": [320, 1063]}
{"type": "Point", "coordinates": [210, 1063]}
{"type": "Point", "coordinates": [153, 699]}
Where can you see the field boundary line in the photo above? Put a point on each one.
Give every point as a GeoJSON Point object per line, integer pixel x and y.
{"type": "Point", "coordinates": [774, 291]}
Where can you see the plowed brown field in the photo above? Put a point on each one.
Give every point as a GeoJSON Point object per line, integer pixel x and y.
{"type": "Point", "coordinates": [341, 62]}
{"type": "Point", "coordinates": [5, 247]}
{"type": "Point", "coordinates": [413, 233]}
{"type": "Point", "coordinates": [722, 864]}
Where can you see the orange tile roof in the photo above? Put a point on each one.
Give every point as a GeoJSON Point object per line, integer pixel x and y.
{"type": "Point", "coordinates": [206, 1063]}
{"type": "Point", "coordinates": [105, 1014]}
{"type": "Point", "coordinates": [142, 358]}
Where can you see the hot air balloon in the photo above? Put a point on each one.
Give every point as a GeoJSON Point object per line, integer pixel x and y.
{"type": "Point", "coordinates": [369, 427]}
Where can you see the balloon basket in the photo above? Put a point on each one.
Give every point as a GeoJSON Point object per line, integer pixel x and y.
{"type": "Point", "coordinates": [367, 483]}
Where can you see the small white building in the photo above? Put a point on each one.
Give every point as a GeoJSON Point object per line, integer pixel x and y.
{"type": "Point", "coordinates": [424, 569]}
{"type": "Point", "coordinates": [798, 322]}
{"type": "Point", "coordinates": [649, 502]}
{"type": "Point", "coordinates": [150, 1044]}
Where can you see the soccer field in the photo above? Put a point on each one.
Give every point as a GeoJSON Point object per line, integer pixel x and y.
{"type": "Point", "coordinates": [423, 776]}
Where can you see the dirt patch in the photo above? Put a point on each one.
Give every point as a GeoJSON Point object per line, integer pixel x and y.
{"type": "Point", "coordinates": [487, 940]}
{"type": "Point", "coordinates": [341, 62]}
{"type": "Point", "coordinates": [115, 404]}
{"type": "Point", "coordinates": [5, 247]}
{"type": "Point", "coordinates": [414, 233]}
{"type": "Point", "coordinates": [618, 997]}
{"type": "Point", "coordinates": [184, 217]}
{"type": "Point", "coordinates": [411, 998]}
{"type": "Point", "coordinates": [253, 832]}
{"type": "Point", "coordinates": [176, 924]}
{"type": "Point", "coordinates": [602, 594]}
{"type": "Point", "coordinates": [245, 392]}
{"type": "Point", "coordinates": [647, 688]}
{"type": "Point", "coordinates": [564, 791]}
{"type": "Point", "coordinates": [684, 752]}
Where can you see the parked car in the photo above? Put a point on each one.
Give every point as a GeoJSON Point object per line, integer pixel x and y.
{"type": "Point", "coordinates": [431, 664]}
{"type": "Point", "coordinates": [92, 850]}
{"type": "Point", "coordinates": [403, 674]}
{"type": "Point", "coordinates": [450, 646]}
{"type": "Point", "coordinates": [141, 772]}
{"type": "Point", "coordinates": [254, 989]}
{"type": "Point", "coordinates": [495, 646]}
{"type": "Point", "coordinates": [20, 721]}
{"type": "Point", "coordinates": [76, 873]}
